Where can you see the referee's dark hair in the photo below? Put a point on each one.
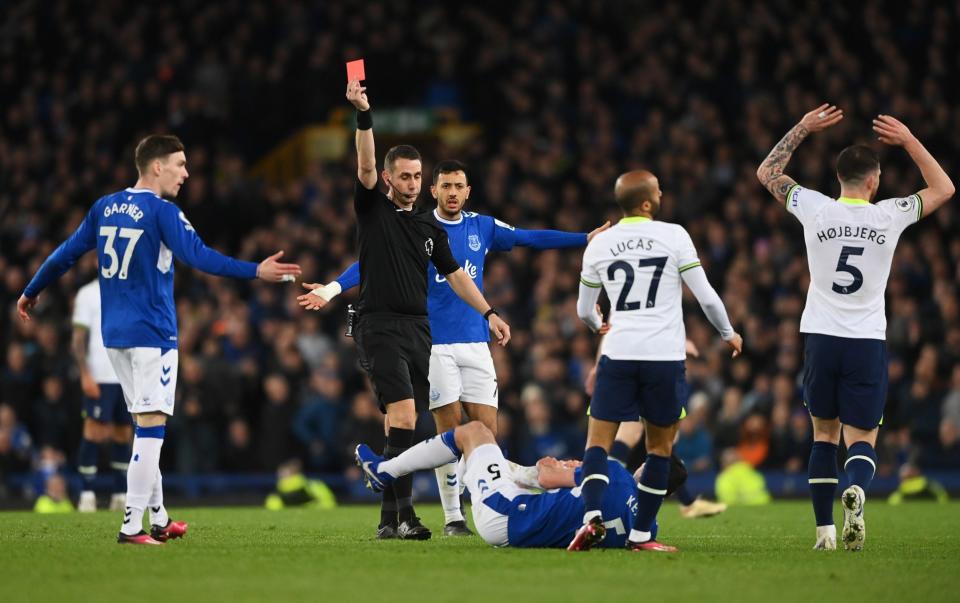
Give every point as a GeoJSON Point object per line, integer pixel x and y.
{"type": "Point", "coordinates": [856, 162]}
{"type": "Point", "coordinates": [401, 151]}
{"type": "Point", "coordinates": [448, 166]}
{"type": "Point", "coordinates": [155, 146]}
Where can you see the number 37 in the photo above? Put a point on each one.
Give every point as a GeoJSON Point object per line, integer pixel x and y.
{"type": "Point", "coordinates": [110, 232]}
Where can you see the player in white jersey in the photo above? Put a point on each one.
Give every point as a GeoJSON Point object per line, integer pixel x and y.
{"type": "Point", "coordinates": [850, 244]}
{"type": "Point", "coordinates": [641, 264]}
{"type": "Point", "coordinates": [105, 414]}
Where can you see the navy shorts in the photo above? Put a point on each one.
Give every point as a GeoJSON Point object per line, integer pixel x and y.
{"type": "Point", "coordinates": [655, 390]}
{"type": "Point", "coordinates": [110, 407]}
{"type": "Point", "coordinates": [845, 378]}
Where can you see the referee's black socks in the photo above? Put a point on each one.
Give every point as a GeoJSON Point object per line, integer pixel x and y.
{"type": "Point", "coordinates": [397, 503]}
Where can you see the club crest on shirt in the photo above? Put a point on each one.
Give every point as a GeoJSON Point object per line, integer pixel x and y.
{"type": "Point", "coordinates": [428, 246]}
{"type": "Point", "coordinates": [473, 241]}
{"type": "Point", "coordinates": [905, 204]}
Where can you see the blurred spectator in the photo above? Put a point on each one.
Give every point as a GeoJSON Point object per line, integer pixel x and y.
{"type": "Point", "coordinates": [276, 422]}
{"type": "Point", "coordinates": [739, 483]}
{"type": "Point", "coordinates": [54, 498]}
{"type": "Point", "coordinates": [53, 415]}
{"type": "Point", "coordinates": [317, 423]}
{"type": "Point", "coordinates": [695, 446]}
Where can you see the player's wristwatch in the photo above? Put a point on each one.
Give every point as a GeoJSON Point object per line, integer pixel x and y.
{"type": "Point", "coordinates": [486, 315]}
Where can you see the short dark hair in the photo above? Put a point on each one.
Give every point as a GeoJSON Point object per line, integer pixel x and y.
{"type": "Point", "coordinates": [448, 166]}
{"type": "Point", "coordinates": [401, 151]}
{"type": "Point", "coordinates": [155, 146]}
{"type": "Point", "coordinates": [856, 162]}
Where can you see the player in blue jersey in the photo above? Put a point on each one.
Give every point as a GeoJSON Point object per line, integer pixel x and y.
{"type": "Point", "coordinates": [462, 377]}
{"type": "Point", "coordinates": [137, 233]}
{"type": "Point", "coordinates": [512, 505]}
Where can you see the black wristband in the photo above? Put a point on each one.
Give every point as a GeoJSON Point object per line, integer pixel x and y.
{"type": "Point", "coordinates": [487, 314]}
{"type": "Point", "coordinates": [364, 120]}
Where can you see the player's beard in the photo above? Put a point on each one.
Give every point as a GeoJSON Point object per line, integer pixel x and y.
{"type": "Point", "coordinates": [654, 208]}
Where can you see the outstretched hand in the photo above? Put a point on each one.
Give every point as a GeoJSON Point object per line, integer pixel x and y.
{"type": "Point", "coordinates": [357, 95]}
{"type": "Point", "coordinates": [597, 231]}
{"type": "Point", "coordinates": [272, 271]}
{"type": "Point", "coordinates": [892, 131]}
{"type": "Point", "coordinates": [318, 295]}
{"type": "Point", "coordinates": [24, 305]}
{"type": "Point", "coordinates": [821, 118]}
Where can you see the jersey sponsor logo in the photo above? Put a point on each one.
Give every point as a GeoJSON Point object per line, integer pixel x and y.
{"type": "Point", "coordinates": [473, 242]}
{"type": "Point", "coordinates": [428, 246]}
{"type": "Point", "coordinates": [631, 245]}
{"type": "Point", "coordinates": [129, 209]}
{"type": "Point", "coordinates": [469, 267]}
{"type": "Point", "coordinates": [904, 204]}
{"type": "Point", "coordinates": [852, 232]}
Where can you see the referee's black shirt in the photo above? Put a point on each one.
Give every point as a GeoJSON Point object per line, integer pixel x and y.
{"type": "Point", "coordinates": [395, 246]}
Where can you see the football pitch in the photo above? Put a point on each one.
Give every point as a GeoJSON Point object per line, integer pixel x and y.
{"type": "Point", "coordinates": [248, 554]}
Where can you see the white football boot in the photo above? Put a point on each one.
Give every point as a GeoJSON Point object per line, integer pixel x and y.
{"type": "Point", "coordinates": [854, 530]}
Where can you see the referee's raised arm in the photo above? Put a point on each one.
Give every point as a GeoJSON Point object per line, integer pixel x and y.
{"type": "Point", "coordinates": [366, 155]}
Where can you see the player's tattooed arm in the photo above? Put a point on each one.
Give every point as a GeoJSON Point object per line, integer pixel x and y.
{"type": "Point", "coordinates": [770, 173]}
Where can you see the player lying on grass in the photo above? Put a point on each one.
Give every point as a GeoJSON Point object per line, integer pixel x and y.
{"type": "Point", "coordinates": [512, 505]}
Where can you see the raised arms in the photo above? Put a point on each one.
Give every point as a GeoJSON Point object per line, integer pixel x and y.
{"type": "Point", "coordinates": [770, 173]}
{"type": "Point", "coordinates": [366, 156]}
{"type": "Point", "coordinates": [939, 186]}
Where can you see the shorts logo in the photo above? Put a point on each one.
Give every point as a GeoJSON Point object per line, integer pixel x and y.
{"type": "Point", "coordinates": [434, 394]}
{"type": "Point", "coordinates": [904, 204]}
{"type": "Point", "coordinates": [473, 241]}
{"type": "Point", "coordinates": [428, 246]}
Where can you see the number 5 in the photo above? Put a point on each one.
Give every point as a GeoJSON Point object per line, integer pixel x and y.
{"type": "Point", "coordinates": [843, 266]}
{"type": "Point", "coordinates": [110, 232]}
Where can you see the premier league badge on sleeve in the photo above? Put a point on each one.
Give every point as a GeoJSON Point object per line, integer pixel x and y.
{"type": "Point", "coordinates": [473, 241]}
{"type": "Point", "coordinates": [905, 204]}
{"type": "Point", "coordinates": [428, 246]}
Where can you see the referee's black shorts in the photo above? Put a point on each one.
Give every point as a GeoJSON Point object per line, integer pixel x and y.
{"type": "Point", "coordinates": [394, 349]}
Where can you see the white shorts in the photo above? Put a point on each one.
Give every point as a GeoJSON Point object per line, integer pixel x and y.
{"type": "Point", "coordinates": [148, 377]}
{"type": "Point", "coordinates": [462, 371]}
{"type": "Point", "coordinates": [486, 472]}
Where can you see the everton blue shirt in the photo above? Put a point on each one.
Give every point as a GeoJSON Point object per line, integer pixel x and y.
{"type": "Point", "coordinates": [137, 234]}
{"type": "Point", "coordinates": [551, 519]}
{"type": "Point", "coordinates": [471, 237]}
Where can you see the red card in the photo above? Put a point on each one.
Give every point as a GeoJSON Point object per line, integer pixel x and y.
{"type": "Point", "coordinates": [355, 70]}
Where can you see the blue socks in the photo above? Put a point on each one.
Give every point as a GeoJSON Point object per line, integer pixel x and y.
{"type": "Point", "coordinates": [595, 480]}
{"type": "Point", "coordinates": [823, 481]}
{"type": "Point", "coordinates": [620, 452]}
{"type": "Point", "coordinates": [861, 464]}
{"type": "Point", "coordinates": [652, 489]}
{"type": "Point", "coordinates": [87, 457]}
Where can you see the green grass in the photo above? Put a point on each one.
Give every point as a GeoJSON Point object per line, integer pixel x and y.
{"type": "Point", "coordinates": [746, 554]}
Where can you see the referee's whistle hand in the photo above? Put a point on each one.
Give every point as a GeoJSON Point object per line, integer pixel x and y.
{"type": "Point", "coordinates": [501, 330]}
{"type": "Point", "coordinates": [272, 271]}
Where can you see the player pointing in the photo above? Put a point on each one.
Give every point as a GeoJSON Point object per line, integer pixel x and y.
{"type": "Point", "coordinates": [850, 244]}
{"type": "Point", "coordinates": [137, 232]}
{"type": "Point", "coordinates": [641, 264]}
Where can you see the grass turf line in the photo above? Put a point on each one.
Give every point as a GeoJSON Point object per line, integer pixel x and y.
{"type": "Point", "coordinates": [746, 554]}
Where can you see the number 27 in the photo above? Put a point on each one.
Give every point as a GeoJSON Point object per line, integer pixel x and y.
{"type": "Point", "coordinates": [622, 304]}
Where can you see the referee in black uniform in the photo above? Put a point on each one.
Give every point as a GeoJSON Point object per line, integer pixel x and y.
{"type": "Point", "coordinates": [397, 240]}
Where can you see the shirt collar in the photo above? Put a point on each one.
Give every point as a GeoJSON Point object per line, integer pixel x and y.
{"type": "Point", "coordinates": [634, 220]}
{"type": "Point", "coordinates": [436, 215]}
{"type": "Point", "coordinates": [852, 201]}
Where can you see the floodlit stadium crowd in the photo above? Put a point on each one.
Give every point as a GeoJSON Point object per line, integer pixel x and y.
{"type": "Point", "coordinates": [568, 95]}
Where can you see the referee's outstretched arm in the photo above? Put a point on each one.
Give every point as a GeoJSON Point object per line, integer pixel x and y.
{"type": "Point", "coordinates": [366, 152]}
